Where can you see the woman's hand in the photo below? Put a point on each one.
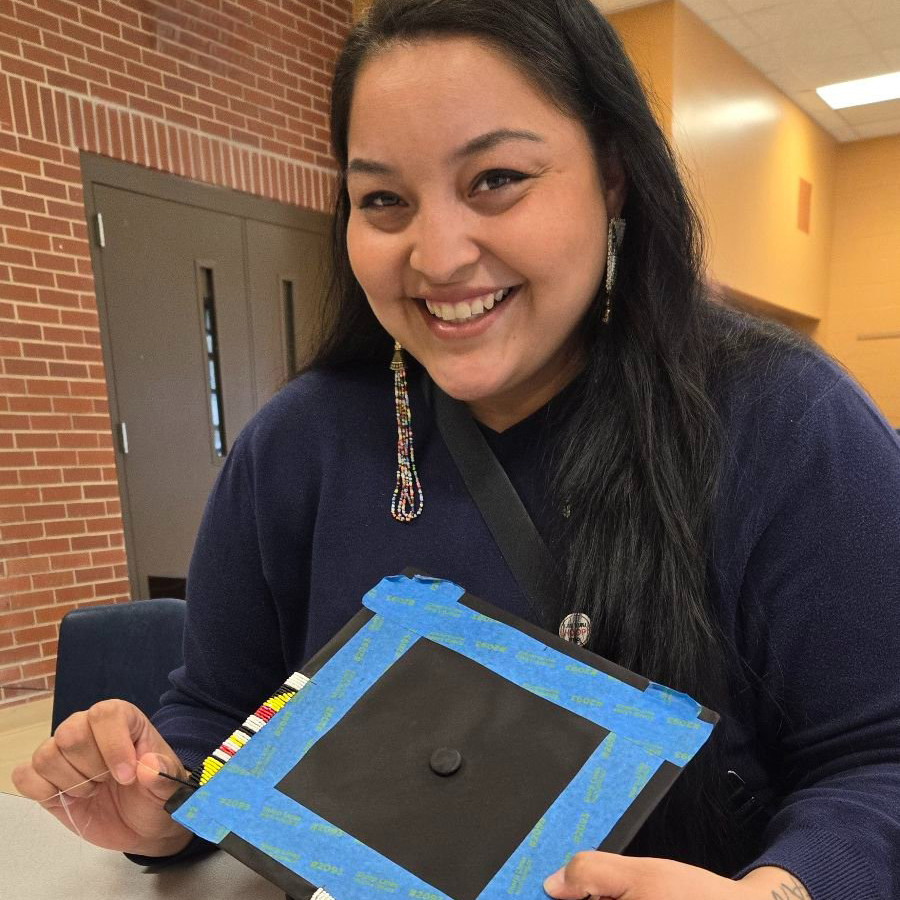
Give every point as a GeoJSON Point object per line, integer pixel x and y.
{"type": "Point", "coordinates": [607, 876]}
{"type": "Point", "coordinates": [122, 810]}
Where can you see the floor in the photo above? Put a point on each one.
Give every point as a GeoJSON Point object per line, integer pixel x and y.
{"type": "Point", "coordinates": [22, 728]}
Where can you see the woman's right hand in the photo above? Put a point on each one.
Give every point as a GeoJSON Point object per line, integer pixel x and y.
{"type": "Point", "coordinates": [122, 810]}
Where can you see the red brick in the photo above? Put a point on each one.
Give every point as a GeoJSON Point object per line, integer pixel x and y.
{"type": "Point", "coordinates": [48, 546]}
{"type": "Point", "coordinates": [71, 404]}
{"type": "Point", "coordinates": [36, 440]}
{"type": "Point", "coordinates": [14, 218]}
{"type": "Point", "coordinates": [43, 351]}
{"type": "Point", "coordinates": [55, 262]}
{"type": "Point", "coordinates": [89, 542]}
{"type": "Point", "coordinates": [40, 477]}
{"type": "Point", "coordinates": [57, 458]}
{"type": "Point", "coordinates": [67, 82]}
{"type": "Point", "coordinates": [51, 226]}
{"type": "Point", "coordinates": [84, 510]}
{"type": "Point", "coordinates": [32, 276]}
{"type": "Point", "coordinates": [52, 579]}
{"type": "Point", "coordinates": [75, 440]}
{"type": "Point", "coordinates": [70, 561]}
{"type": "Point", "coordinates": [44, 188]}
{"type": "Point", "coordinates": [30, 404]}
{"type": "Point", "coordinates": [24, 367]}
{"type": "Point", "coordinates": [22, 619]}
{"type": "Point", "coordinates": [60, 494]}
{"type": "Point", "coordinates": [22, 532]}
{"type": "Point", "coordinates": [48, 387]}
{"type": "Point", "coordinates": [16, 458]}
{"type": "Point", "coordinates": [65, 527]}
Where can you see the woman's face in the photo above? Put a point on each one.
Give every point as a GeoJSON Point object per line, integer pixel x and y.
{"type": "Point", "coordinates": [464, 181]}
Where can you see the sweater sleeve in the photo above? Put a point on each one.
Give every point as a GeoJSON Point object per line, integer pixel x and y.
{"type": "Point", "coordinates": [232, 636]}
{"type": "Point", "coordinates": [825, 574]}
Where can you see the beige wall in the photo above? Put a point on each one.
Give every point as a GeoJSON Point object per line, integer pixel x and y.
{"type": "Point", "coordinates": [863, 323]}
{"type": "Point", "coordinates": [745, 147]}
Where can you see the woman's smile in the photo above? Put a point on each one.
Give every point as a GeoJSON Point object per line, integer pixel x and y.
{"type": "Point", "coordinates": [466, 319]}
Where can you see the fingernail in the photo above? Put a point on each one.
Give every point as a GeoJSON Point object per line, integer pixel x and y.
{"type": "Point", "coordinates": [124, 773]}
{"type": "Point", "coordinates": [553, 883]}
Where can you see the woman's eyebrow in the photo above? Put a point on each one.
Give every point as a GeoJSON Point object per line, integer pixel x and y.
{"type": "Point", "coordinates": [478, 144]}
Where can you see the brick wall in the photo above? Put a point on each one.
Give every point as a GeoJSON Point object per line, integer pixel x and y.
{"type": "Point", "coordinates": [232, 94]}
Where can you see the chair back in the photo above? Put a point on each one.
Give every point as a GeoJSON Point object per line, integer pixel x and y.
{"type": "Point", "coordinates": [124, 651]}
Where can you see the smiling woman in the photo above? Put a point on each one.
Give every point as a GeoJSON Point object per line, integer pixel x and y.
{"type": "Point", "coordinates": [708, 488]}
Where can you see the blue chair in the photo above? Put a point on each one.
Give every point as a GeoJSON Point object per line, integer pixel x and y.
{"type": "Point", "coordinates": [125, 651]}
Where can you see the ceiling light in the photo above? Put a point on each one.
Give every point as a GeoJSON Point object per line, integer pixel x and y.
{"type": "Point", "coordinates": [861, 91]}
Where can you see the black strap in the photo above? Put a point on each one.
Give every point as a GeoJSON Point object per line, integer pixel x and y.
{"type": "Point", "coordinates": [500, 506]}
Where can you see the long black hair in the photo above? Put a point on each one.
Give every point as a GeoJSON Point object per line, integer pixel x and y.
{"type": "Point", "coordinates": [639, 458]}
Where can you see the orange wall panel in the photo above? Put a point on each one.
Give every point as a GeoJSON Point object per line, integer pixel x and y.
{"type": "Point", "coordinates": [863, 324]}
{"type": "Point", "coordinates": [746, 148]}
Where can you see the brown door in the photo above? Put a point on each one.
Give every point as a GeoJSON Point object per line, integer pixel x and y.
{"type": "Point", "coordinates": [177, 326]}
{"type": "Point", "coordinates": [284, 280]}
{"type": "Point", "coordinates": [206, 299]}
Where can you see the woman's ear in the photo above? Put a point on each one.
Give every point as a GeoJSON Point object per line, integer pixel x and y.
{"type": "Point", "coordinates": [615, 183]}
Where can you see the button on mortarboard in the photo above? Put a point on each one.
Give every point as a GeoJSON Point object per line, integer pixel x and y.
{"type": "Point", "coordinates": [445, 761]}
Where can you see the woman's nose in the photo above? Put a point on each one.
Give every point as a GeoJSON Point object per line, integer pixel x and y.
{"type": "Point", "coordinates": [442, 248]}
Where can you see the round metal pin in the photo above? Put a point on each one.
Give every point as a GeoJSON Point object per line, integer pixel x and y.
{"type": "Point", "coordinates": [576, 628]}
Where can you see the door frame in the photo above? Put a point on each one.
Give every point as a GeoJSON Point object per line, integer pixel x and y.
{"type": "Point", "coordinates": [101, 170]}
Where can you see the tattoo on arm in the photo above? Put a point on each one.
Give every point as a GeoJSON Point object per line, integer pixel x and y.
{"type": "Point", "coordinates": [792, 891]}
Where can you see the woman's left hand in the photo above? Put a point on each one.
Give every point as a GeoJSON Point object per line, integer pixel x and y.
{"type": "Point", "coordinates": [607, 876]}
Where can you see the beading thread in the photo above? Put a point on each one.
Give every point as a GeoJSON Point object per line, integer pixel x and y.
{"type": "Point", "coordinates": [407, 502]}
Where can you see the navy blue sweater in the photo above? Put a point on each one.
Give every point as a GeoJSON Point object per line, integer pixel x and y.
{"type": "Point", "coordinates": [804, 573]}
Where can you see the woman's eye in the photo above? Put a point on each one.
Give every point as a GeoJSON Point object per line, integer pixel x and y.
{"type": "Point", "coordinates": [379, 201]}
{"type": "Point", "coordinates": [495, 180]}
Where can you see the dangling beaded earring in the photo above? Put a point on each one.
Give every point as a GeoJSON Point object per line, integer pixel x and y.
{"type": "Point", "coordinates": [614, 237]}
{"type": "Point", "coordinates": [407, 501]}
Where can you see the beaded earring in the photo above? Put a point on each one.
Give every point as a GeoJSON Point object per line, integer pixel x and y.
{"type": "Point", "coordinates": [614, 237]}
{"type": "Point", "coordinates": [407, 501]}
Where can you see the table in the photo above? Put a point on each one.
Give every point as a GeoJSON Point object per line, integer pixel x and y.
{"type": "Point", "coordinates": [42, 860]}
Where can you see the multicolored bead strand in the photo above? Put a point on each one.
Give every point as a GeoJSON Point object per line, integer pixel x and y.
{"type": "Point", "coordinates": [214, 762]}
{"type": "Point", "coordinates": [407, 502]}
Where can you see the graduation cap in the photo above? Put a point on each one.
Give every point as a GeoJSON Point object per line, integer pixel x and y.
{"type": "Point", "coordinates": [439, 748]}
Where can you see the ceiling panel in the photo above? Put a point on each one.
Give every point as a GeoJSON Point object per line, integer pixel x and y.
{"type": "Point", "coordinates": [804, 44]}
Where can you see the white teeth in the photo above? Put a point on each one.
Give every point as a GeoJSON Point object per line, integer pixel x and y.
{"type": "Point", "coordinates": [453, 312]}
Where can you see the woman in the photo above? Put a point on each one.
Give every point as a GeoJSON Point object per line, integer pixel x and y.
{"type": "Point", "coordinates": [724, 501]}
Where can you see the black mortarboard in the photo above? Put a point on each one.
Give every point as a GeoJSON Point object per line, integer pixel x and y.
{"type": "Point", "coordinates": [439, 747]}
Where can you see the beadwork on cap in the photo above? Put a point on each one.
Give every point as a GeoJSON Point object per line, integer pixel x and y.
{"type": "Point", "coordinates": [252, 724]}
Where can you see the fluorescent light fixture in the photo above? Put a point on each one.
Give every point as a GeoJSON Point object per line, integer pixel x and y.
{"type": "Point", "coordinates": [861, 91]}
